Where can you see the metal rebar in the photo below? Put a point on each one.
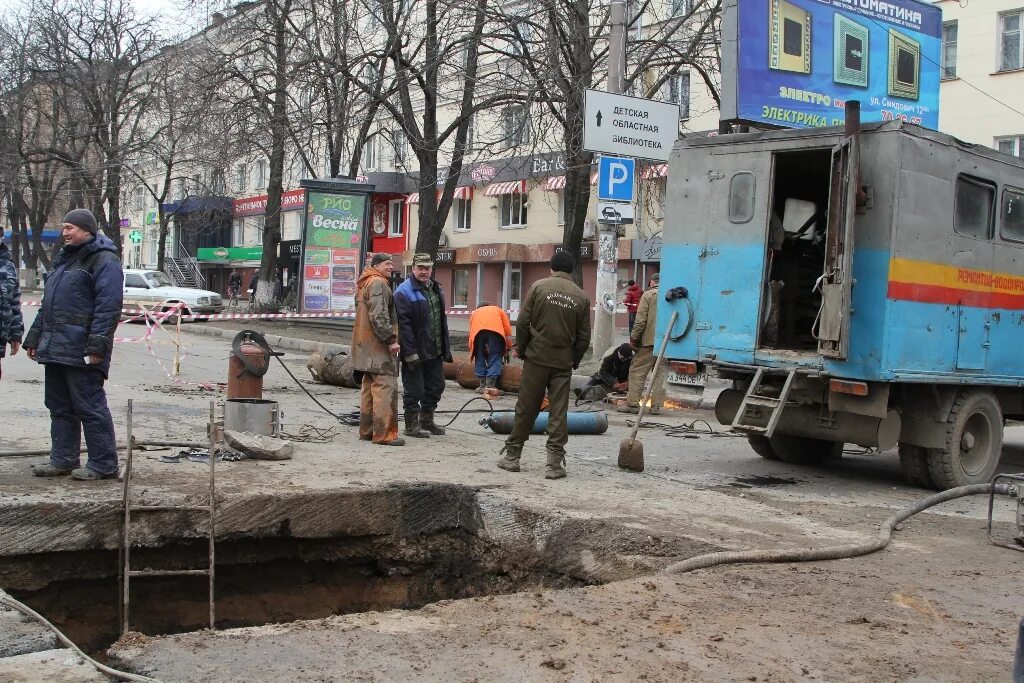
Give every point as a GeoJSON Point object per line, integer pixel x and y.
{"type": "Point", "coordinates": [213, 459]}
{"type": "Point", "coordinates": [168, 572]}
{"type": "Point", "coordinates": [126, 535]}
{"type": "Point", "coordinates": [121, 447]}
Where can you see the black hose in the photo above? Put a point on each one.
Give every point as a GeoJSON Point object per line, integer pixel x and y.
{"type": "Point", "coordinates": [831, 552]}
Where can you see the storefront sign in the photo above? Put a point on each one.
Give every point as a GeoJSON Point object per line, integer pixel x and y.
{"type": "Point", "coordinates": [257, 206]}
{"type": "Point", "coordinates": [229, 253]}
{"type": "Point", "coordinates": [333, 237]}
{"type": "Point", "coordinates": [445, 256]}
{"type": "Point", "coordinates": [152, 217]}
{"type": "Point", "coordinates": [648, 249]}
{"type": "Point", "coordinates": [290, 250]}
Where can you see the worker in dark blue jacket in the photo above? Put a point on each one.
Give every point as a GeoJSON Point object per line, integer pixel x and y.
{"type": "Point", "coordinates": [73, 336]}
{"type": "Point", "coordinates": [423, 336]}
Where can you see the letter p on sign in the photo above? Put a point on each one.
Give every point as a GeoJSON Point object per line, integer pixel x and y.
{"type": "Point", "coordinates": [615, 179]}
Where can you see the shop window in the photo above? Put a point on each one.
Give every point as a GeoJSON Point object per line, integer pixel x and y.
{"type": "Point", "coordinates": [460, 288]}
{"type": "Point", "coordinates": [395, 217]}
{"type": "Point", "coordinates": [973, 209]}
{"type": "Point", "coordinates": [1011, 215]}
{"type": "Point", "coordinates": [513, 210]}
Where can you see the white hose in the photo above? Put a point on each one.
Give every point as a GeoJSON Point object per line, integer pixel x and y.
{"type": "Point", "coordinates": [832, 552]}
{"type": "Point", "coordinates": [29, 612]}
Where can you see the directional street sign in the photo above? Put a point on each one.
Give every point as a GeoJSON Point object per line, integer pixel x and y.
{"type": "Point", "coordinates": [613, 212]}
{"type": "Point", "coordinates": [629, 126]}
{"type": "Point", "coordinates": [615, 179]}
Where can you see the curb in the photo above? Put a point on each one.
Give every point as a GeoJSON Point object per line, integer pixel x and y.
{"type": "Point", "coordinates": [276, 341]}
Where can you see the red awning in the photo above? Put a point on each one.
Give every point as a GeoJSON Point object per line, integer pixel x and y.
{"type": "Point", "coordinates": [414, 198]}
{"type": "Point", "coordinates": [498, 189]}
{"type": "Point", "coordinates": [464, 192]}
{"type": "Point", "coordinates": [557, 182]}
{"type": "Point", "coordinates": [656, 171]}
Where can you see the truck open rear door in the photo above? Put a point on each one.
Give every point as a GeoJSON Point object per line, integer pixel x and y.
{"type": "Point", "coordinates": [833, 329]}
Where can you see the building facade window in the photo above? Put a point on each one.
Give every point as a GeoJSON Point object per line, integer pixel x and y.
{"type": "Point", "coordinates": [949, 36]}
{"type": "Point", "coordinates": [1010, 55]}
{"type": "Point", "coordinates": [395, 217]}
{"type": "Point", "coordinates": [679, 93]}
{"type": "Point", "coordinates": [680, 7]}
{"type": "Point", "coordinates": [1011, 145]}
{"type": "Point", "coordinates": [460, 288]}
{"type": "Point", "coordinates": [370, 153]}
{"type": "Point", "coordinates": [463, 213]}
{"type": "Point", "coordinates": [560, 211]}
{"type": "Point", "coordinates": [241, 178]}
{"type": "Point", "coordinates": [398, 138]}
{"type": "Point", "coordinates": [513, 210]}
{"type": "Point", "coordinates": [515, 127]}
{"type": "Point", "coordinates": [261, 174]}
{"type": "Point", "coordinates": [238, 233]}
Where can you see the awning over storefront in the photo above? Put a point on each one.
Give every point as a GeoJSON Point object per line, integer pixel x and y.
{"type": "Point", "coordinates": [414, 198]}
{"type": "Point", "coordinates": [460, 193]}
{"type": "Point", "coordinates": [498, 189]}
{"type": "Point", "coordinates": [656, 171]}
{"type": "Point", "coordinates": [557, 182]}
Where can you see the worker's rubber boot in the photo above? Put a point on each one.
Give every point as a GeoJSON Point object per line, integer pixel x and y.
{"type": "Point", "coordinates": [427, 422]}
{"type": "Point", "coordinates": [483, 385]}
{"type": "Point", "coordinates": [556, 466]}
{"type": "Point", "coordinates": [412, 426]}
{"type": "Point", "coordinates": [49, 470]}
{"type": "Point", "coordinates": [510, 458]}
{"type": "Point", "coordinates": [397, 441]}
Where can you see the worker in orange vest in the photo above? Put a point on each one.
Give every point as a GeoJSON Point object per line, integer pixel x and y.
{"type": "Point", "coordinates": [490, 335]}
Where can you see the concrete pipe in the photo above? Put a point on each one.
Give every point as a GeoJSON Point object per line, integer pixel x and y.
{"type": "Point", "coordinates": [805, 420]}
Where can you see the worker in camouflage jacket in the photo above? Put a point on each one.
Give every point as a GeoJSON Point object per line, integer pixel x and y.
{"type": "Point", "coordinates": [641, 338]}
{"type": "Point", "coordinates": [552, 334]}
{"type": "Point", "coordinates": [11, 325]}
{"type": "Point", "coordinates": [375, 353]}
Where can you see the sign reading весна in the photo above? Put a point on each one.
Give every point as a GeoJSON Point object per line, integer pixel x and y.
{"type": "Point", "coordinates": [629, 126]}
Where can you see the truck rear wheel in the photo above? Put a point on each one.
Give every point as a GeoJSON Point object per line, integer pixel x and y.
{"type": "Point", "coordinates": [974, 441]}
{"type": "Point", "coordinates": [762, 446]}
{"type": "Point", "coordinates": [914, 461]}
{"type": "Point", "coordinates": [803, 450]}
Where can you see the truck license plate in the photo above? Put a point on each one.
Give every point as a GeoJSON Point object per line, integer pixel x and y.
{"type": "Point", "coordinates": [698, 380]}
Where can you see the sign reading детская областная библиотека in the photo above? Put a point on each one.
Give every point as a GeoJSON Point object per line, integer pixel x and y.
{"type": "Point", "coordinates": [795, 63]}
{"type": "Point", "coordinates": [629, 126]}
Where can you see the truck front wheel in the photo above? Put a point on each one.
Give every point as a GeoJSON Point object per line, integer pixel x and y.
{"type": "Point", "coordinates": [974, 441]}
{"type": "Point", "coordinates": [803, 450]}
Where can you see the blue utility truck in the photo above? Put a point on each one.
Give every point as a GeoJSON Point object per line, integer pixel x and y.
{"type": "Point", "coordinates": [862, 286]}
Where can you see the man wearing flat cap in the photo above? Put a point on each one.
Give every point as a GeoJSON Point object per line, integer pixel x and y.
{"type": "Point", "coordinates": [73, 336]}
{"type": "Point", "coordinates": [423, 335]}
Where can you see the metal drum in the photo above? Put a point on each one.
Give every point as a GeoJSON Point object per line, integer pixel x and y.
{"type": "Point", "coordinates": [253, 415]}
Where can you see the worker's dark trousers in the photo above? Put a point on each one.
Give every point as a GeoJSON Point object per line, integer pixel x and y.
{"type": "Point", "coordinates": [535, 381]}
{"type": "Point", "coordinates": [77, 402]}
{"type": "Point", "coordinates": [422, 386]}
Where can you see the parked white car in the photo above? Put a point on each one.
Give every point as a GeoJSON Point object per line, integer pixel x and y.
{"type": "Point", "coordinates": [151, 287]}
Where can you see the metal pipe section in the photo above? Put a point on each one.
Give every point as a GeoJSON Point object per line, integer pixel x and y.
{"type": "Point", "coordinates": [805, 420]}
{"type": "Point", "coordinates": [579, 422]}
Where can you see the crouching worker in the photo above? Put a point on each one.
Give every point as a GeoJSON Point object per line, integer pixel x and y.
{"type": "Point", "coordinates": [73, 337]}
{"type": "Point", "coordinates": [490, 334]}
{"type": "Point", "coordinates": [613, 375]}
{"type": "Point", "coordinates": [375, 353]}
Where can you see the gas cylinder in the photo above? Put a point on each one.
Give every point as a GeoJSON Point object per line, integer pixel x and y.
{"type": "Point", "coordinates": [241, 382]}
{"type": "Point", "coordinates": [589, 422]}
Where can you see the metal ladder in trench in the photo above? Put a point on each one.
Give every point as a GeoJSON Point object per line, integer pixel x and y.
{"type": "Point", "coordinates": [127, 573]}
{"type": "Point", "coordinates": [753, 400]}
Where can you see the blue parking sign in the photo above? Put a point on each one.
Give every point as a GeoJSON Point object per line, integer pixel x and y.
{"type": "Point", "coordinates": [615, 179]}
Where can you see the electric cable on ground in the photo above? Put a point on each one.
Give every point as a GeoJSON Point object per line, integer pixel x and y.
{"type": "Point", "coordinates": [833, 552]}
{"type": "Point", "coordinates": [29, 612]}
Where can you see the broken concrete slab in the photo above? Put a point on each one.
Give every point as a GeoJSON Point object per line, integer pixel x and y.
{"type": "Point", "coordinates": [21, 635]}
{"type": "Point", "coordinates": [49, 666]}
{"type": "Point", "coordinates": [258, 446]}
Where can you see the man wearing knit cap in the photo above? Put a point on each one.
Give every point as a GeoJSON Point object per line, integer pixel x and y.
{"type": "Point", "coordinates": [73, 336]}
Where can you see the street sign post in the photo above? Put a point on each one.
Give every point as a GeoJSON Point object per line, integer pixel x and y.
{"type": "Point", "coordinates": [629, 126]}
{"type": "Point", "coordinates": [615, 179]}
{"type": "Point", "coordinates": [614, 213]}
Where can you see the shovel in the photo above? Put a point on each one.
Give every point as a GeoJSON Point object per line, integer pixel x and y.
{"type": "Point", "coordinates": [631, 450]}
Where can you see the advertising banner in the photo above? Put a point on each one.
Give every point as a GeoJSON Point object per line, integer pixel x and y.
{"type": "Point", "coordinates": [332, 237]}
{"type": "Point", "coordinates": [796, 62]}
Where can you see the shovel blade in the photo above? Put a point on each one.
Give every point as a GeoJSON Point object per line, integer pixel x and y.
{"type": "Point", "coordinates": [631, 454]}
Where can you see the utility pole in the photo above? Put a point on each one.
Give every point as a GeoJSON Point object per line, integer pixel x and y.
{"type": "Point", "coordinates": [608, 236]}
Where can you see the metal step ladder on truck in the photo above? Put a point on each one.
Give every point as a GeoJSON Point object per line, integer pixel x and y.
{"type": "Point", "coordinates": [859, 286]}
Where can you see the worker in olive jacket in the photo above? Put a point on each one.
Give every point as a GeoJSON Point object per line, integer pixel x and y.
{"type": "Point", "coordinates": [641, 338]}
{"type": "Point", "coordinates": [552, 334]}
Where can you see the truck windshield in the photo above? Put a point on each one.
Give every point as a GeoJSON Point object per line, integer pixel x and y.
{"type": "Point", "coordinates": [158, 280]}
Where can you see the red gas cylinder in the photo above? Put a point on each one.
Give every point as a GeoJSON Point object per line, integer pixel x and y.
{"type": "Point", "coordinates": [245, 379]}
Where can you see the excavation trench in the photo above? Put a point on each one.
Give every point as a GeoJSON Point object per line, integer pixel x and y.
{"type": "Point", "coordinates": [399, 547]}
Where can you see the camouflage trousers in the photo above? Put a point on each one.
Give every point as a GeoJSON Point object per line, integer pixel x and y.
{"type": "Point", "coordinates": [639, 369]}
{"type": "Point", "coordinates": [378, 408]}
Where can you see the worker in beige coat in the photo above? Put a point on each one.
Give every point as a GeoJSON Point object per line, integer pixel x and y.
{"type": "Point", "coordinates": [641, 338]}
